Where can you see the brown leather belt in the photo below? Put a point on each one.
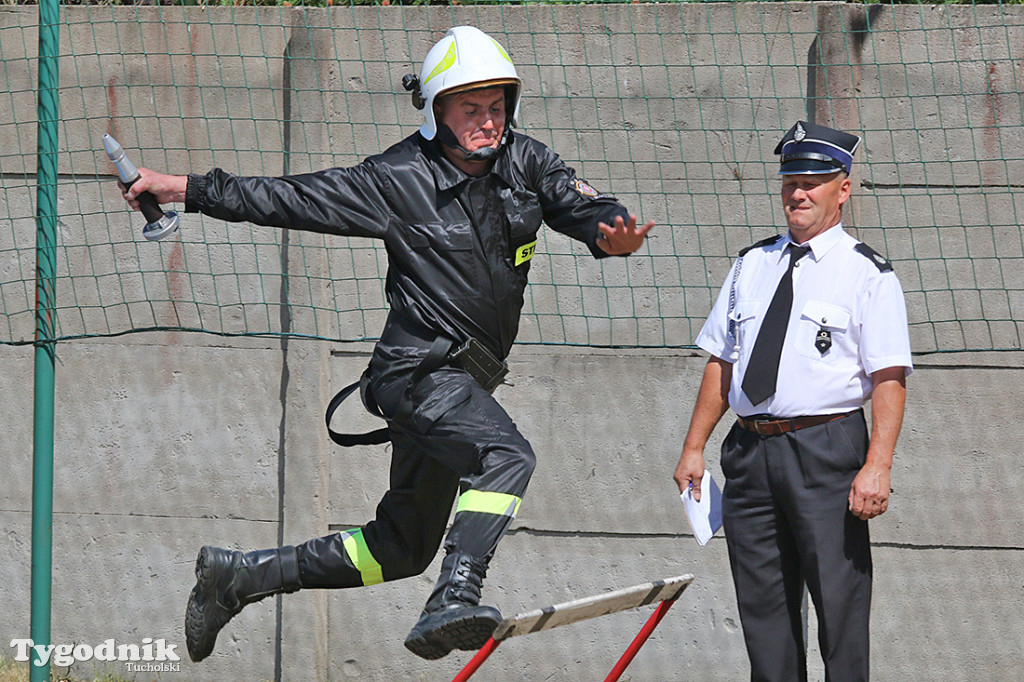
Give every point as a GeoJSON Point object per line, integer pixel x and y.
{"type": "Point", "coordinates": [773, 427]}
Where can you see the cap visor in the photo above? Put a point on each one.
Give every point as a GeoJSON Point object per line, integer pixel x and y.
{"type": "Point", "coordinates": [807, 167]}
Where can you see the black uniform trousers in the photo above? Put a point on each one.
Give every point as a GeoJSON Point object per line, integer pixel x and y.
{"type": "Point", "coordinates": [455, 440]}
{"type": "Point", "coordinates": [787, 525]}
{"type": "Point", "coordinates": [459, 439]}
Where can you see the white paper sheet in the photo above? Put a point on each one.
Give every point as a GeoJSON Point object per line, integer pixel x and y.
{"type": "Point", "coordinates": [705, 516]}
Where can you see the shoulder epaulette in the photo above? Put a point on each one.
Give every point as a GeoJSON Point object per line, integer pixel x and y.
{"type": "Point", "coordinates": [878, 259]}
{"type": "Point", "coordinates": [764, 242]}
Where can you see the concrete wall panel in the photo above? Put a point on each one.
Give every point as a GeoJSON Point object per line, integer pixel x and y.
{"type": "Point", "coordinates": [166, 442]}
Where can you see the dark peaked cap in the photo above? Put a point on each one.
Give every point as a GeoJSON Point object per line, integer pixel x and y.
{"type": "Point", "coordinates": [810, 149]}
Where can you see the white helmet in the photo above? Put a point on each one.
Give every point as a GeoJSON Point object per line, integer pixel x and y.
{"type": "Point", "coordinates": [465, 59]}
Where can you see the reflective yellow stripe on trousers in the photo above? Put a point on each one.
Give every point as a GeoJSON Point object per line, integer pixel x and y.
{"type": "Point", "coordinates": [361, 557]}
{"type": "Point", "coordinates": [501, 504]}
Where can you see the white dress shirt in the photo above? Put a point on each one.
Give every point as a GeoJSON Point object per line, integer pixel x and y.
{"type": "Point", "coordinates": [836, 289]}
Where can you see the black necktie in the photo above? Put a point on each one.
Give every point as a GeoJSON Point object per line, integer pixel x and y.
{"type": "Point", "coordinates": [763, 369]}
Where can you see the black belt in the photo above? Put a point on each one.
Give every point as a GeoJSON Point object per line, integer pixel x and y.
{"type": "Point", "coordinates": [773, 426]}
{"type": "Point", "coordinates": [487, 370]}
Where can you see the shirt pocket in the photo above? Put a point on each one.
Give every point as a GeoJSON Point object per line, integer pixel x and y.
{"type": "Point", "coordinates": [741, 322]}
{"type": "Point", "coordinates": [828, 320]}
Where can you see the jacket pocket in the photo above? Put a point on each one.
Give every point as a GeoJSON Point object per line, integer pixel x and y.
{"type": "Point", "coordinates": [444, 258]}
{"type": "Point", "coordinates": [523, 235]}
{"type": "Point", "coordinates": [441, 236]}
{"type": "Point", "coordinates": [524, 215]}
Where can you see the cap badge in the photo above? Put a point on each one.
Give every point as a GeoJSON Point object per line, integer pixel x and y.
{"type": "Point", "coordinates": [799, 134]}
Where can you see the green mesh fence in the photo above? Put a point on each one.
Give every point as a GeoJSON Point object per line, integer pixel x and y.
{"type": "Point", "coordinates": [674, 108]}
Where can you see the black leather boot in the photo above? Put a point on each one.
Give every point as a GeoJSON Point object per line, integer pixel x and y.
{"type": "Point", "coordinates": [453, 618]}
{"type": "Point", "coordinates": [226, 581]}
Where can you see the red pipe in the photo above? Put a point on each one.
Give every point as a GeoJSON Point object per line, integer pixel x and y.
{"type": "Point", "coordinates": [486, 650]}
{"type": "Point", "coordinates": [639, 640]}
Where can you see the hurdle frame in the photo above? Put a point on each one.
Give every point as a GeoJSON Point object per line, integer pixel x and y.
{"type": "Point", "coordinates": [663, 592]}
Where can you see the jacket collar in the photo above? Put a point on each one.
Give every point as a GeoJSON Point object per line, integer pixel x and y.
{"type": "Point", "coordinates": [447, 175]}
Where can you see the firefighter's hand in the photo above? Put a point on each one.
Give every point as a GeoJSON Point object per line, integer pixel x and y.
{"type": "Point", "coordinates": [623, 237]}
{"type": "Point", "coordinates": [167, 189]}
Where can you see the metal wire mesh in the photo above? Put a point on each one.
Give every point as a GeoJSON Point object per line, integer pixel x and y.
{"type": "Point", "coordinates": [674, 108]}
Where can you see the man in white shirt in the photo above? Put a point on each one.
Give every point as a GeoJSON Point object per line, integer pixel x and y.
{"type": "Point", "coordinates": [807, 327]}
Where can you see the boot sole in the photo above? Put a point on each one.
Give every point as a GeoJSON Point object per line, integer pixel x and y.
{"type": "Point", "coordinates": [198, 639]}
{"type": "Point", "coordinates": [466, 634]}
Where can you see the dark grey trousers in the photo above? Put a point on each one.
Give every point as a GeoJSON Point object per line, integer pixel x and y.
{"type": "Point", "coordinates": [787, 525]}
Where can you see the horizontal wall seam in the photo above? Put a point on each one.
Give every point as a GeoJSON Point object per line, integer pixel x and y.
{"type": "Point", "coordinates": [611, 534]}
{"type": "Point", "coordinates": [201, 517]}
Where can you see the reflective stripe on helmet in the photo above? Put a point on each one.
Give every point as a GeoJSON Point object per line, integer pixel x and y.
{"type": "Point", "coordinates": [500, 504]}
{"type": "Point", "coordinates": [444, 64]}
{"type": "Point", "coordinates": [501, 50]}
{"type": "Point", "coordinates": [362, 559]}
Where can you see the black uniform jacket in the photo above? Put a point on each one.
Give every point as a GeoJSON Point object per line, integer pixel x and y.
{"type": "Point", "coordinates": [448, 272]}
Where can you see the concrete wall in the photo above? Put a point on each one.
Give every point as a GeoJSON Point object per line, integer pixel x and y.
{"type": "Point", "coordinates": [167, 441]}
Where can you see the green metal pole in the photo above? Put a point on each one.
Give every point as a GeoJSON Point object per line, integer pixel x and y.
{"type": "Point", "coordinates": [45, 355]}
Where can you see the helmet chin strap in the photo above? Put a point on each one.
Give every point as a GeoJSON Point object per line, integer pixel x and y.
{"type": "Point", "coordinates": [446, 137]}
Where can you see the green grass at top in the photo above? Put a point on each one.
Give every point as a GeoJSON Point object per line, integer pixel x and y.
{"type": "Point", "coordinates": [14, 671]}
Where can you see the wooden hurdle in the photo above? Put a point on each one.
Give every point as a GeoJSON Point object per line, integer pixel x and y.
{"type": "Point", "coordinates": [662, 592]}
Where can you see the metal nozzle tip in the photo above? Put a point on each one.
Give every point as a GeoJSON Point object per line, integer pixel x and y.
{"type": "Point", "coordinates": [114, 150]}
